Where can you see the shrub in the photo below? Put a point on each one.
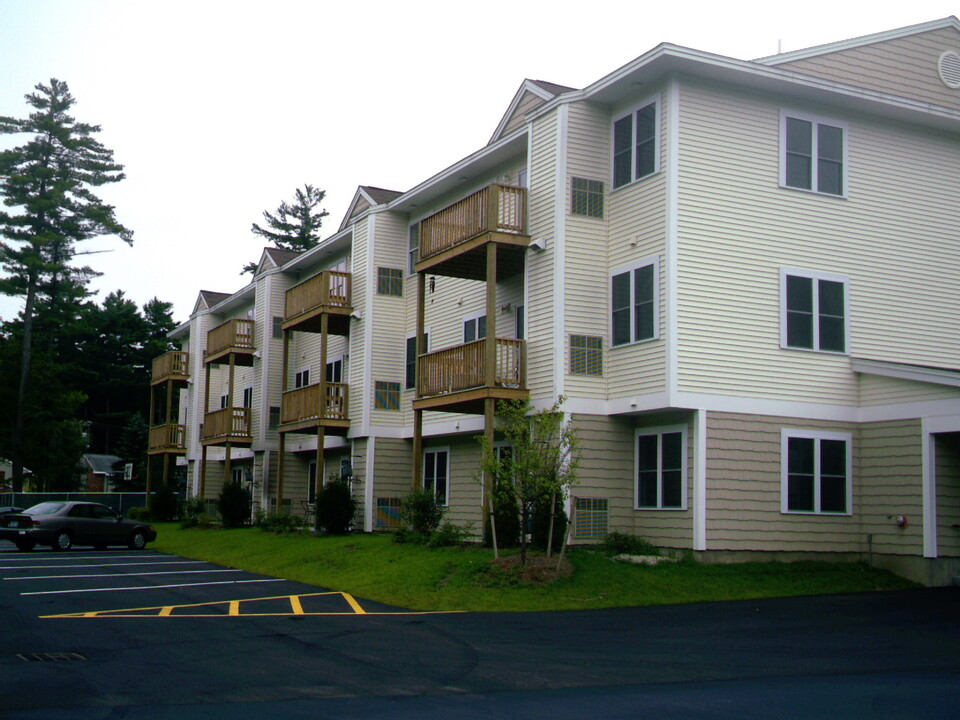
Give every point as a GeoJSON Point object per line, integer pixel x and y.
{"type": "Point", "coordinates": [193, 513]}
{"type": "Point", "coordinates": [618, 543]}
{"type": "Point", "coordinates": [540, 524]}
{"type": "Point", "coordinates": [163, 504]}
{"type": "Point", "coordinates": [279, 523]}
{"type": "Point", "coordinates": [421, 511]}
{"type": "Point", "coordinates": [140, 514]}
{"type": "Point", "coordinates": [449, 535]}
{"type": "Point", "coordinates": [234, 504]}
{"type": "Point", "coordinates": [335, 507]}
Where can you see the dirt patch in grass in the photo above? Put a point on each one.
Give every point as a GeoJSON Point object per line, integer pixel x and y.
{"type": "Point", "coordinates": [539, 570]}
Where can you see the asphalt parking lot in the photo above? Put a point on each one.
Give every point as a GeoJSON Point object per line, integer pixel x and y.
{"type": "Point", "coordinates": [122, 634]}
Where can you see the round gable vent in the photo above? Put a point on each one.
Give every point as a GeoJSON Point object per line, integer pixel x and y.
{"type": "Point", "coordinates": [949, 68]}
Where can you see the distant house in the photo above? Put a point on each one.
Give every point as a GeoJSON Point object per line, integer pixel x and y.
{"type": "Point", "coordinates": [6, 475]}
{"type": "Point", "coordinates": [99, 472]}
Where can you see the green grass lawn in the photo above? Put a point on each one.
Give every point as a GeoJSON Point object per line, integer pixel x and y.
{"type": "Point", "coordinates": [421, 578]}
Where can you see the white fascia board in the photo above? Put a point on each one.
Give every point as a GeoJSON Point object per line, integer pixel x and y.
{"type": "Point", "coordinates": [526, 86]}
{"type": "Point", "coordinates": [654, 65]}
{"type": "Point", "coordinates": [180, 330]}
{"type": "Point", "coordinates": [856, 42]}
{"type": "Point", "coordinates": [950, 378]}
{"type": "Point", "coordinates": [449, 179]}
{"type": "Point", "coordinates": [315, 254]}
{"type": "Point", "coordinates": [240, 297]}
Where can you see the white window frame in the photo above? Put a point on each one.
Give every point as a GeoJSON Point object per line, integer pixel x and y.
{"type": "Point", "coordinates": [684, 450]}
{"type": "Point", "coordinates": [816, 120]}
{"type": "Point", "coordinates": [332, 361]}
{"type": "Point", "coordinates": [247, 392]}
{"type": "Point", "coordinates": [298, 377]}
{"type": "Point", "coordinates": [413, 251]}
{"type": "Point", "coordinates": [652, 260]}
{"type": "Point", "coordinates": [816, 276]}
{"type": "Point", "coordinates": [632, 112]}
{"type": "Point", "coordinates": [475, 319]}
{"type": "Point", "coordinates": [817, 435]}
{"type": "Point", "coordinates": [427, 451]}
{"type": "Point", "coordinates": [225, 401]}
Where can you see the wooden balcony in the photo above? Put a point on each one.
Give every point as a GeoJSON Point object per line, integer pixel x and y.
{"type": "Point", "coordinates": [329, 293]}
{"type": "Point", "coordinates": [168, 439]}
{"type": "Point", "coordinates": [234, 337]}
{"type": "Point", "coordinates": [230, 425]}
{"type": "Point", "coordinates": [171, 366]}
{"type": "Point", "coordinates": [454, 379]}
{"type": "Point", "coordinates": [306, 409]}
{"type": "Point", "coordinates": [453, 241]}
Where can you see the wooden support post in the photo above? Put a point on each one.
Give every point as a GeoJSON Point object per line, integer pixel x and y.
{"type": "Point", "coordinates": [226, 465]}
{"type": "Point", "coordinates": [283, 444]}
{"type": "Point", "coordinates": [318, 480]}
{"type": "Point", "coordinates": [166, 470]}
{"type": "Point", "coordinates": [324, 335]}
{"type": "Point", "coordinates": [203, 473]}
{"type": "Point", "coordinates": [490, 346]}
{"type": "Point", "coordinates": [421, 350]}
{"type": "Point", "coordinates": [489, 427]}
{"type": "Point", "coordinates": [417, 449]}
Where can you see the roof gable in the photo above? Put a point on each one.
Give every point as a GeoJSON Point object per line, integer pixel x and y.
{"type": "Point", "coordinates": [274, 258]}
{"type": "Point", "coordinates": [207, 299]}
{"type": "Point", "coordinates": [365, 198]}
{"type": "Point", "coordinates": [531, 95]}
{"type": "Point", "coordinates": [903, 62]}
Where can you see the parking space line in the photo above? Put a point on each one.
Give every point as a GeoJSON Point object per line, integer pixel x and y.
{"type": "Point", "coordinates": [354, 604]}
{"type": "Point", "coordinates": [54, 567]}
{"type": "Point", "coordinates": [119, 575]}
{"type": "Point", "coordinates": [295, 605]}
{"type": "Point", "coordinates": [148, 587]}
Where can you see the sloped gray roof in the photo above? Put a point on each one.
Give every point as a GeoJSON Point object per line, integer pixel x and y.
{"type": "Point", "coordinates": [380, 195]}
{"type": "Point", "coordinates": [552, 88]}
{"type": "Point", "coordinates": [279, 256]}
{"type": "Point", "coordinates": [101, 463]}
{"type": "Point", "coordinates": [212, 298]}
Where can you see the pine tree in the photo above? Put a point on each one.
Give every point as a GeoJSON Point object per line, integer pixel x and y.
{"type": "Point", "coordinates": [293, 227]}
{"type": "Point", "coordinates": [48, 185]}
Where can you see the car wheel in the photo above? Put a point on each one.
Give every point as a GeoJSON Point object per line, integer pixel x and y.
{"type": "Point", "coordinates": [25, 545]}
{"type": "Point", "coordinates": [62, 541]}
{"type": "Point", "coordinates": [138, 541]}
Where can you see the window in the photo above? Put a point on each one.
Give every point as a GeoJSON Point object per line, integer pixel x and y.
{"type": "Point", "coordinates": [302, 378]}
{"type": "Point", "coordinates": [236, 474]}
{"type": "Point", "coordinates": [815, 472]}
{"type": "Point", "coordinates": [586, 355]}
{"type": "Point", "coordinates": [661, 464]}
{"type": "Point", "coordinates": [224, 402]}
{"type": "Point", "coordinates": [248, 397]}
{"type": "Point", "coordinates": [312, 481]}
{"type": "Point", "coordinates": [586, 197]}
{"type": "Point", "coordinates": [278, 327]}
{"type": "Point", "coordinates": [386, 395]}
{"type": "Point", "coordinates": [813, 311]}
{"type": "Point", "coordinates": [411, 367]}
{"type": "Point", "coordinates": [413, 248]}
{"type": "Point", "coordinates": [335, 371]}
{"type": "Point", "coordinates": [273, 417]}
{"type": "Point", "coordinates": [633, 303]}
{"type": "Point", "coordinates": [522, 177]}
{"type": "Point", "coordinates": [814, 154]}
{"type": "Point", "coordinates": [390, 281]}
{"type": "Point", "coordinates": [635, 153]}
{"type": "Point", "coordinates": [521, 320]}
{"type": "Point", "coordinates": [435, 474]}
{"type": "Point", "coordinates": [474, 328]}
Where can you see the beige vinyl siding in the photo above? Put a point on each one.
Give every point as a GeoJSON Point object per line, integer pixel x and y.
{"type": "Point", "coordinates": [388, 314]}
{"type": "Point", "coordinates": [528, 101]}
{"type": "Point", "coordinates": [744, 484]}
{"type": "Point", "coordinates": [948, 494]}
{"type": "Point", "coordinates": [541, 197]}
{"type": "Point", "coordinates": [906, 67]}
{"type": "Point", "coordinates": [738, 228]}
{"type": "Point", "coordinates": [878, 390]}
{"type": "Point", "coordinates": [607, 470]}
{"type": "Point", "coordinates": [464, 488]}
{"type": "Point", "coordinates": [889, 473]}
{"type": "Point", "coordinates": [636, 219]}
{"type": "Point", "coordinates": [359, 393]}
{"type": "Point", "coordinates": [587, 280]}
{"type": "Point", "coordinates": [394, 466]}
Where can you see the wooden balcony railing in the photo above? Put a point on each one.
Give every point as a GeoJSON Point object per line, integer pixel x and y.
{"type": "Point", "coordinates": [306, 403]}
{"type": "Point", "coordinates": [228, 422]}
{"type": "Point", "coordinates": [170, 364]}
{"type": "Point", "coordinates": [231, 334]}
{"type": "Point", "coordinates": [462, 367]}
{"type": "Point", "coordinates": [330, 287]}
{"type": "Point", "coordinates": [495, 208]}
{"type": "Point", "coordinates": [168, 437]}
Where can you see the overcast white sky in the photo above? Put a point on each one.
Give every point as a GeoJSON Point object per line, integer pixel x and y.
{"type": "Point", "coordinates": [220, 109]}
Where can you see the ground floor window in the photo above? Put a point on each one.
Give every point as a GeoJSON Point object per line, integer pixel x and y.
{"type": "Point", "coordinates": [815, 472]}
{"type": "Point", "coordinates": [661, 468]}
{"type": "Point", "coordinates": [436, 472]}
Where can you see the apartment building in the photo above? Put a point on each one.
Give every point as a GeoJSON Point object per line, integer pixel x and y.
{"type": "Point", "coordinates": [742, 276]}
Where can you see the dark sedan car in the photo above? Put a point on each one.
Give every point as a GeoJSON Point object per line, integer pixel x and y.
{"type": "Point", "coordinates": [63, 524]}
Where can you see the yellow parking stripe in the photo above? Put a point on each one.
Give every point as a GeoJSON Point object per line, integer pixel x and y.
{"type": "Point", "coordinates": [164, 612]}
{"type": "Point", "coordinates": [295, 605]}
{"type": "Point", "coordinates": [354, 604]}
{"type": "Point", "coordinates": [234, 607]}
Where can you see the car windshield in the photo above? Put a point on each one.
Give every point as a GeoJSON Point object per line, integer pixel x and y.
{"type": "Point", "coordinates": [45, 508]}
